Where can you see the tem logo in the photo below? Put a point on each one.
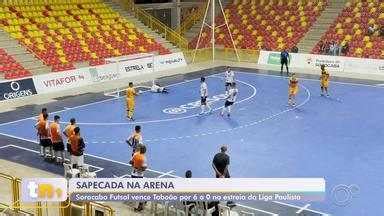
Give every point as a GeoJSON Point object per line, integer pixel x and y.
{"type": "Point", "coordinates": [44, 189]}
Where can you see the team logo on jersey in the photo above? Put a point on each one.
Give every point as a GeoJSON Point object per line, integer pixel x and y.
{"type": "Point", "coordinates": [192, 105]}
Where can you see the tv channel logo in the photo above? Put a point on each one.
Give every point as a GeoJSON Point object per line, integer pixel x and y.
{"type": "Point", "coordinates": [44, 189]}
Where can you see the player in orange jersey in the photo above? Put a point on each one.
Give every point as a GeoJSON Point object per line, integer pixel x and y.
{"type": "Point", "coordinates": [57, 139]}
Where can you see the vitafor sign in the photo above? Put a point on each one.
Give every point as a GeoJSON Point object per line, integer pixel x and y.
{"type": "Point", "coordinates": [17, 89]}
{"type": "Point", "coordinates": [61, 81]}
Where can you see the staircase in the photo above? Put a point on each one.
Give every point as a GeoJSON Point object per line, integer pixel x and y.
{"type": "Point", "coordinates": [321, 25]}
{"type": "Point", "coordinates": [23, 56]}
{"type": "Point", "coordinates": [195, 29]}
{"type": "Point", "coordinates": [138, 24]}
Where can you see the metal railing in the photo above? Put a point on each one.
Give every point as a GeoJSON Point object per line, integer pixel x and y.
{"type": "Point", "coordinates": [156, 25]}
{"type": "Point", "coordinates": [192, 19]}
{"type": "Point", "coordinates": [38, 208]}
{"type": "Point", "coordinates": [225, 54]}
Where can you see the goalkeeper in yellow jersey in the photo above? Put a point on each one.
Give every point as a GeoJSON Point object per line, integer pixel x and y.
{"type": "Point", "coordinates": [130, 94]}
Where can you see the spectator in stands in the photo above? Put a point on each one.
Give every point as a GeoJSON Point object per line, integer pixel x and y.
{"type": "Point", "coordinates": [139, 165]}
{"type": "Point", "coordinates": [345, 48]}
{"type": "Point", "coordinates": [77, 148]}
{"type": "Point", "coordinates": [381, 32]}
{"type": "Point", "coordinates": [321, 47]}
{"type": "Point", "coordinates": [371, 30]}
{"type": "Point", "coordinates": [135, 139]}
{"type": "Point", "coordinates": [284, 59]}
{"type": "Point", "coordinates": [294, 49]}
{"type": "Point", "coordinates": [333, 49]}
{"type": "Point", "coordinates": [339, 48]}
{"type": "Point", "coordinates": [327, 46]}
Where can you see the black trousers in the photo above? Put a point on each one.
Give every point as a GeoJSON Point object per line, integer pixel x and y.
{"type": "Point", "coordinates": [284, 62]}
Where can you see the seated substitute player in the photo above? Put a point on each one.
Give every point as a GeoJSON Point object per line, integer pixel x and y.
{"type": "Point", "coordinates": [229, 79]}
{"type": "Point", "coordinates": [293, 90]}
{"type": "Point", "coordinates": [57, 140]}
{"type": "Point", "coordinates": [230, 100]}
{"type": "Point", "coordinates": [204, 95]}
{"type": "Point", "coordinates": [158, 89]}
{"type": "Point", "coordinates": [324, 81]}
{"type": "Point", "coordinates": [130, 94]}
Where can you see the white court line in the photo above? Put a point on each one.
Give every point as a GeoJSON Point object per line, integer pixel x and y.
{"type": "Point", "coordinates": [118, 162]}
{"type": "Point", "coordinates": [165, 174]}
{"type": "Point", "coordinates": [155, 171]}
{"type": "Point", "coordinates": [169, 119]}
{"type": "Point", "coordinates": [93, 103]}
{"type": "Point", "coordinates": [314, 80]}
{"type": "Point", "coordinates": [98, 169]}
{"type": "Point", "coordinates": [303, 208]}
{"type": "Point", "coordinates": [298, 207]}
{"type": "Point", "coordinates": [186, 81]}
{"type": "Point", "coordinates": [255, 209]}
{"type": "Point", "coordinates": [98, 157]}
{"type": "Point", "coordinates": [4, 146]}
{"type": "Point", "coordinates": [125, 175]}
{"type": "Point", "coordinates": [245, 125]}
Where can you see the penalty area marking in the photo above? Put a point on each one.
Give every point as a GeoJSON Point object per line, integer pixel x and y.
{"type": "Point", "coordinates": [254, 93]}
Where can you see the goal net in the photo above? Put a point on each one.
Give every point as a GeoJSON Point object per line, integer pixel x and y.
{"type": "Point", "coordinates": [119, 63]}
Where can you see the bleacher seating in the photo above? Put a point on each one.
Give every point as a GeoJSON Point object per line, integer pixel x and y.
{"type": "Point", "coordinates": [272, 25]}
{"type": "Point", "coordinates": [10, 68]}
{"type": "Point", "coordinates": [63, 32]}
{"type": "Point", "coordinates": [352, 26]}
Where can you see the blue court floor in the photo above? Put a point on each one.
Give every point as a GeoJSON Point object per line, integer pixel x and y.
{"type": "Point", "coordinates": [339, 138]}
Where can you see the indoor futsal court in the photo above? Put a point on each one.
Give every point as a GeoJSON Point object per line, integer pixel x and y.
{"type": "Point", "coordinates": [330, 137]}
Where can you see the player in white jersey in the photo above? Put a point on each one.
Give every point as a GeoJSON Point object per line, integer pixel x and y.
{"type": "Point", "coordinates": [230, 100]}
{"type": "Point", "coordinates": [229, 79]}
{"type": "Point", "coordinates": [204, 95]}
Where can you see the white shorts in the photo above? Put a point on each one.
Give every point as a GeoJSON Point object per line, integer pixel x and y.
{"type": "Point", "coordinates": [79, 160]}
